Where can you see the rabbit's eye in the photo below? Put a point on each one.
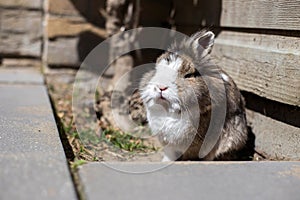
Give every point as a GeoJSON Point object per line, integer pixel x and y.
{"type": "Point", "coordinates": [191, 75]}
{"type": "Point", "coordinates": [168, 59]}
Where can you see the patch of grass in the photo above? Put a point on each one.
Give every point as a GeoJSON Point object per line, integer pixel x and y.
{"type": "Point", "coordinates": [77, 163]}
{"type": "Point", "coordinates": [97, 95]}
{"type": "Point", "coordinates": [125, 141]}
{"type": "Point", "coordinates": [96, 159]}
{"type": "Point", "coordinates": [75, 135]}
{"type": "Point", "coordinates": [89, 137]}
{"type": "Point", "coordinates": [68, 128]}
{"type": "Point", "coordinates": [51, 88]}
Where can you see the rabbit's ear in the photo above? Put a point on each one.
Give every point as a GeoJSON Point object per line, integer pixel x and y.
{"type": "Point", "coordinates": [203, 42]}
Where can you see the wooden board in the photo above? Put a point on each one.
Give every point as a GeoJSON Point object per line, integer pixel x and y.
{"type": "Point", "coordinates": [154, 13]}
{"type": "Point", "coordinates": [20, 63]}
{"type": "Point", "coordinates": [62, 7]}
{"type": "Point", "coordinates": [21, 32]}
{"type": "Point", "coordinates": [266, 65]}
{"type": "Point", "coordinates": [274, 138]}
{"type": "Point", "coordinates": [35, 4]}
{"type": "Point", "coordinates": [71, 26]}
{"type": "Point", "coordinates": [271, 14]}
{"type": "Point", "coordinates": [63, 51]}
{"type": "Point", "coordinates": [71, 51]}
{"type": "Point", "coordinates": [199, 13]}
{"type": "Point", "coordinates": [87, 9]}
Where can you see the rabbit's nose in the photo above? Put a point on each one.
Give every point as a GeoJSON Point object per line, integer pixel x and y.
{"type": "Point", "coordinates": [162, 87]}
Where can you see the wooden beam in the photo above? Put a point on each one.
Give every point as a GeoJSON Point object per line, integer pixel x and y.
{"type": "Point", "coordinates": [266, 65]}
{"type": "Point", "coordinates": [270, 14]}
{"type": "Point", "coordinates": [21, 32]}
{"type": "Point", "coordinates": [64, 52]}
{"type": "Point", "coordinates": [197, 13]}
{"type": "Point", "coordinates": [33, 4]}
{"type": "Point", "coordinates": [71, 27]}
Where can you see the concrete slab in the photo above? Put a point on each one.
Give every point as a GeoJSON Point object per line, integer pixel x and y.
{"type": "Point", "coordinates": [21, 75]}
{"type": "Point", "coordinates": [32, 159]}
{"type": "Point", "coordinates": [193, 180]}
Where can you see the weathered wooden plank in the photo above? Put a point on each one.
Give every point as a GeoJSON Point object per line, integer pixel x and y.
{"type": "Point", "coordinates": [71, 26]}
{"type": "Point", "coordinates": [63, 51]}
{"type": "Point", "coordinates": [21, 32]}
{"type": "Point", "coordinates": [15, 63]}
{"type": "Point", "coordinates": [199, 13]}
{"type": "Point", "coordinates": [271, 14]}
{"type": "Point", "coordinates": [35, 4]}
{"type": "Point", "coordinates": [188, 29]}
{"type": "Point", "coordinates": [274, 138]}
{"type": "Point", "coordinates": [266, 65]}
{"type": "Point", "coordinates": [63, 7]}
{"type": "Point", "coordinates": [87, 9]}
{"type": "Point", "coordinates": [154, 13]}
{"type": "Point", "coordinates": [71, 51]}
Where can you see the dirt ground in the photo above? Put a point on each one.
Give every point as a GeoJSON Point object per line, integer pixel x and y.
{"type": "Point", "coordinates": [113, 145]}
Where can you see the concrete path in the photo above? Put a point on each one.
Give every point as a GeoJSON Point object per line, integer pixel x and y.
{"type": "Point", "coordinates": [32, 159]}
{"type": "Point", "coordinates": [33, 164]}
{"type": "Point", "coordinates": [193, 180]}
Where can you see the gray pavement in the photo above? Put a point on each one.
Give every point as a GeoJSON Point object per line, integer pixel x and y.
{"type": "Point", "coordinates": [33, 163]}
{"type": "Point", "coordinates": [193, 180]}
{"type": "Point", "coordinates": [32, 159]}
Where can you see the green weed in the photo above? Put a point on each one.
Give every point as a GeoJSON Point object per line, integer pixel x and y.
{"type": "Point", "coordinates": [77, 163]}
{"type": "Point", "coordinates": [125, 141]}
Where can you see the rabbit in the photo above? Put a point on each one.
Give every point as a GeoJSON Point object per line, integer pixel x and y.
{"type": "Point", "coordinates": [179, 104]}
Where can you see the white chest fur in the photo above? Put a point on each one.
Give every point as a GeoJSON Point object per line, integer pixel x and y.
{"type": "Point", "coordinates": [170, 127]}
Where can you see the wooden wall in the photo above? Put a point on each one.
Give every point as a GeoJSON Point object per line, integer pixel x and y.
{"type": "Point", "coordinates": [259, 46]}
{"type": "Point", "coordinates": [21, 31]}
{"type": "Point", "coordinates": [74, 29]}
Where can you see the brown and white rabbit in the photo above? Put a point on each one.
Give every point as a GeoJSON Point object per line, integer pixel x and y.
{"type": "Point", "coordinates": [179, 101]}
